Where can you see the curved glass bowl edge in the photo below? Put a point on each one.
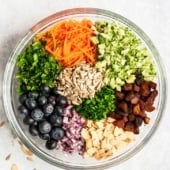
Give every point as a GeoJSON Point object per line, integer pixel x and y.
{"type": "Point", "coordinates": [10, 67]}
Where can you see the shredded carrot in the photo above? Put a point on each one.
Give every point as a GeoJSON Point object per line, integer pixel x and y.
{"type": "Point", "coordinates": [70, 42]}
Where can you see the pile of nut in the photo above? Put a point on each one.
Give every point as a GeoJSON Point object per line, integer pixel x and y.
{"type": "Point", "coordinates": [104, 139]}
{"type": "Point", "coordinates": [81, 81]}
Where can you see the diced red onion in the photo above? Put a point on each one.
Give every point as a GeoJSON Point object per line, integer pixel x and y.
{"type": "Point", "coordinates": [73, 124]}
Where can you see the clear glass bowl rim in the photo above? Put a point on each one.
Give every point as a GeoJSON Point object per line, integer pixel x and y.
{"type": "Point", "coordinates": [44, 23]}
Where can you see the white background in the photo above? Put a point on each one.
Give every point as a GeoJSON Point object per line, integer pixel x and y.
{"type": "Point", "coordinates": [153, 16]}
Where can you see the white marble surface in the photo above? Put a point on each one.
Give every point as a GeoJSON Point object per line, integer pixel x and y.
{"type": "Point", "coordinates": [153, 16]}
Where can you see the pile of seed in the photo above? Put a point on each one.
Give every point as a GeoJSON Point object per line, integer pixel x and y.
{"type": "Point", "coordinates": [81, 81]}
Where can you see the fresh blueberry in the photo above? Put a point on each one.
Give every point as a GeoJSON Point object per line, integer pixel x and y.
{"type": "Point", "coordinates": [55, 91]}
{"type": "Point", "coordinates": [33, 130]}
{"type": "Point", "coordinates": [52, 100]}
{"type": "Point", "coordinates": [35, 123]}
{"type": "Point", "coordinates": [51, 144]}
{"type": "Point", "coordinates": [56, 120]}
{"type": "Point", "coordinates": [22, 98]}
{"type": "Point", "coordinates": [45, 89]}
{"type": "Point", "coordinates": [42, 100]}
{"type": "Point", "coordinates": [59, 110]}
{"type": "Point", "coordinates": [44, 127]}
{"type": "Point", "coordinates": [31, 103]}
{"type": "Point", "coordinates": [33, 94]}
{"type": "Point", "coordinates": [48, 109]}
{"type": "Point", "coordinates": [28, 120]}
{"type": "Point", "coordinates": [61, 101]}
{"type": "Point", "coordinates": [57, 133]}
{"type": "Point", "coordinates": [23, 110]}
{"type": "Point", "coordinates": [45, 136]}
{"type": "Point", "coordinates": [37, 114]}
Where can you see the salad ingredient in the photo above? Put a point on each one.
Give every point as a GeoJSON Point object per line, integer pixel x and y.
{"type": "Point", "coordinates": [46, 119]}
{"type": "Point", "coordinates": [31, 103]}
{"type": "Point", "coordinates": [37, 114]}
{"type": "Point", "coordinates": [132, 104]}
{"type": "Point", "coordinates": [33, 130]}
{"type": "Point", "coordinates": [44, 127]}
{"type": "Point", "coordinates": [61, 101]}
{"type": "Point", "coordinates": [59, 110]}
{"type": "Point", "coordinates": [99, 106]}
{"type": "Point", "coordinates": [36, 67]}
{"type": "Point", "coordinates": [45, 89]}
{"type": "Point", "coordinates": [48, 109]}
{"type": "Point", "coordinates": [42, 100]}
{"type": "Point", "coordinates": [24, 149]}
{"type": "Point", "coordinates": [55, 91]}
{"type": "Point", "coordinates": [22, 98]}
{"type": "Point", "coordinates": [33, 94]}
{"type": "Point", "coordinates": [70, 42]}
{"type": "Point", "coordinates": [28, 120]}
{"type": "Point", "coordinates": [56, 120]}
{"type": "Point", "coordinates": [103, 139]}
{"type": "Point", "coordinates": [72, 124]}
{"type": "Point", "coordinates": [14, 167]}
{"type": "Point", "coordinates": [121, 54]}
{"type": "Point", "coordinates": [45, 136]}
{"type": "Point", "coordinates": [51, 144]}
{"type": "Point", "coordinates": [81, 81]}
{"type": "Point", "coordinates": [57, 133]}
{"type": "Point", "coordinates": [52, 100]}
{"type": "Point", "coordinates": [23, 110]}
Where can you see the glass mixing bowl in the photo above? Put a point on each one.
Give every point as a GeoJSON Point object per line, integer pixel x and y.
{"type": "Point", "coordinates": [57, 158]}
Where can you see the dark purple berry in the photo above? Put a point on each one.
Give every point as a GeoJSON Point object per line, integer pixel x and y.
{"type": "Point", "coordinates": [45, 136]}
{"type": "Point", "coordinates": [44, 127]}
{"type": "Point", "coordinates": [52, 100]}
{"type": "Point", "coordinates": [57, 133]}
{"type": "Point", "coordinates": [33, 130]}
{"type": "Point", "coordinates": [28, 120]}
{"type": "Point", "coordinates": [23, 110]}
{"type": "Point", "coordinates": [37, 114]}
{"type": "Point", "coordinates": [51, 144]}
{"type": "Point", "coordinates": [59, 110]}
{"type": "Point", "coordinates": [48, 109]}
{"type": "Point", "coordinates": [61, 101]}
{"type": "Point", "coordinates": [56, 120]}
{"type": "Point", "coordinates": [42, 100]}
{"type": "Point", "coordinates": [22, 98]}
{"type": "Point", "coordinates": [31, 103]}
{"type": "Point", "coordinates": [33, 94]}
{"type": "Point", "coordinates": [45, 89]}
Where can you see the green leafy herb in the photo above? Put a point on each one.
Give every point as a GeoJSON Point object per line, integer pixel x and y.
{"type": "Point", "coordinates": [98, 107]}
{"type": "Point", "coordinates": [36, 67]}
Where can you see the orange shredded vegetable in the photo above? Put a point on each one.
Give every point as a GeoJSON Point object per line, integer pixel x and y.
{"type": "Point", "coordinates": [70, 42]}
